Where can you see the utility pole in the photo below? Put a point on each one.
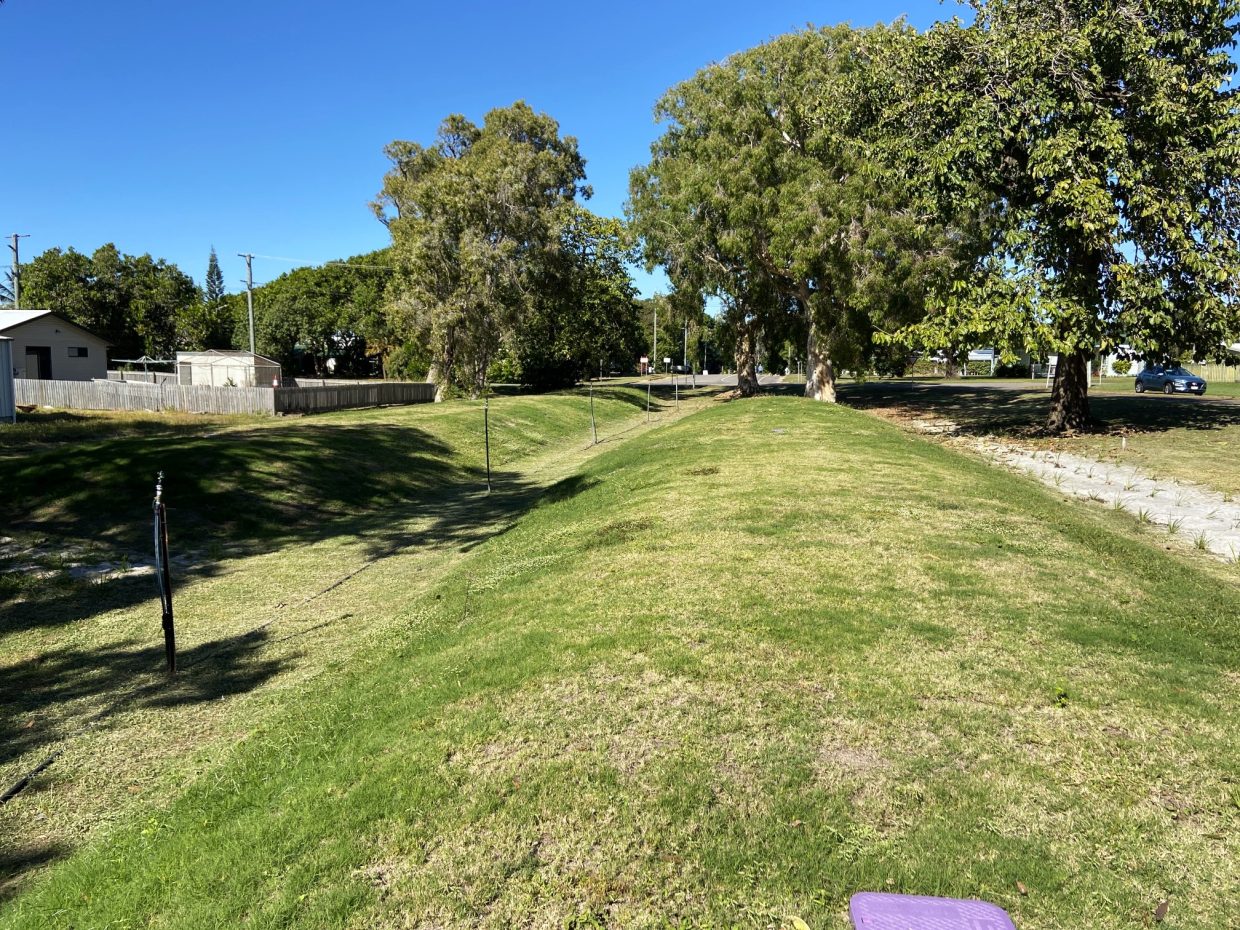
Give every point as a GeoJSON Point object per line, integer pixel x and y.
{"type": "Point", "coordinates": [684, 359]}
{"type": "Point", "coordinates": [17, 269]}
{"type": "Point", "coordinates": [249, 293]}
{"type": "Point", "coordinates": [655, 355]}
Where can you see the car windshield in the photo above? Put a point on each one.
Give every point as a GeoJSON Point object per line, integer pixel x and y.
{"type": "Point", "coordinates": [1180, 372]}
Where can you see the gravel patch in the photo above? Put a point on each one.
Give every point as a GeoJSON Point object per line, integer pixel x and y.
{"type": "Point", "coordinates": [1201, 517]}
{"type": "Point", "coordinates": [1194, 516]}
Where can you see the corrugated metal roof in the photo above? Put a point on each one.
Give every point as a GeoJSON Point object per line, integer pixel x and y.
{"type": "Point", "coordinates": [11, 318]}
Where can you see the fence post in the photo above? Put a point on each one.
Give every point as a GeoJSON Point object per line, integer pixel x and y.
{"type": "Point", "coordinates": [593, 425]}
{"type": "Point", "coordinates": [162, 574]}
{"type": "Point", "coordinates": [486, 430]}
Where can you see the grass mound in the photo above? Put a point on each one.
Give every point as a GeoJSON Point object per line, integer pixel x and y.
{"type": "Point", "coordinates": [81, 477]}
{"type": "Point", "coordinates": [733, 671]}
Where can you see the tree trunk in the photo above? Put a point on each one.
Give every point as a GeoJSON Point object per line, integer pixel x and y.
{"type": "Point", "coordinates": [950, 368]}
{"type": "Point", "coordinates": [1070, 394]}
{"type": "Point", "coordinates": [435, 377]}
{"type": "Point", "coordinates": [746, 362]}
{"type": "Point", "coordinates": [820, 373]}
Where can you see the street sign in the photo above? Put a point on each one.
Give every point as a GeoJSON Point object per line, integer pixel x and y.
{"type": "Point", "coordinates": [667, 361]}
{"type": "Point", "coordinates": [645, 360]}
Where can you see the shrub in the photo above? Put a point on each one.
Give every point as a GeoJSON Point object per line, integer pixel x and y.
{"type": "Point", "coordinates": [408, 362]}
{"type": "Point", "coordinates": [1121, 366]}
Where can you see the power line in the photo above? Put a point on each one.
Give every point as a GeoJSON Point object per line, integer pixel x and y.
{"type": "Point", "coordinates": [310, 263]}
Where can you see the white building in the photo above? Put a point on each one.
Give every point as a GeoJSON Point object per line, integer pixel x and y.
{"type": "Point", "coordinates": [227, 368]}
{"type": "Point", "coordinates": [48, 347]}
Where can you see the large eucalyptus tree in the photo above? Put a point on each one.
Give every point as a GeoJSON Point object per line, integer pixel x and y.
{"type": "Point", "coordinates": [766, 183]}
{"type": "Point", "coordinates": [474, 219]}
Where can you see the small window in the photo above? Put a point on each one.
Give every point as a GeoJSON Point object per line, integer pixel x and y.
{"type": "Point", "coordinates": [78, 352]}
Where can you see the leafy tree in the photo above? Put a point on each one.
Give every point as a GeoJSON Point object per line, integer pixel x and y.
{"type": "Point", "coordinates": [475, 219]}
{"type": "Point", "coordinates": [1094, 147]}
{"type": "Point", "coordinates": [310, 315]}
{"type": "Point", "coordinates": [583, 316]}
{"type": "Point", "coordinates": [765, 192]}
{"type": "Point", "coordinates": [134, 302]}
{"type": "Point", "coordinates": [157, 295]}
{"type": "Point", "coordinates": [209, 323]}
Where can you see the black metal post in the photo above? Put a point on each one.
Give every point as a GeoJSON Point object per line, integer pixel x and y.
{"type": "Point", "coordinates": [593, 425]}
{"type": "Point", "coordinates": [486, 429]}
{"type": "Point", "coordinates": [162, 574]}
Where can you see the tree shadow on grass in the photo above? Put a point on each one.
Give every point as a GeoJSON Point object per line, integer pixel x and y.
{"type": "Point", "coordinates": [58, 691]}
{"type": "Point", "coordinates": [18, 860]}
{"type": "Point", "coordinates": [661, 397]}
{"type": "Point", "coordinates": [47, 428]}
{"type": "Point", "coordinates": [261, 488]}
{"type": "Point", "coordinates": [391, 488]}
{"type": "Point", "coordinates": [241, 492]}
{"type": "Point", "coordinates": [984, 409]}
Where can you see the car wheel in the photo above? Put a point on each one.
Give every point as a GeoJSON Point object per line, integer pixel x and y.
{"type": "Point", "coordinates": [1140, 386]}
{"type": "Point", "coordinates": [1168, 388]}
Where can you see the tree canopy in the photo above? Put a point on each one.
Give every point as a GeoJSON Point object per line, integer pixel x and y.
{"type": "Point", "coordinates": [1052, 177]}
{"type": "Point", "coordinates": [582, 316]}
{"type": "Point", "coordinates": [764, 192]}
{"type": "Point", "coordinates": [311, 315]}
{"type": "Point", "coordinates": [476, 218]}
{"type": "Point", "coordinates": [1095, 146]}
{"type": "Point", "coordinates": [134, 302]}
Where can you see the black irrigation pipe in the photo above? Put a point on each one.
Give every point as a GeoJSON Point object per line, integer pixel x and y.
{"type": "Point", "coordinates": [18, 786]}
{"type": "Point", "coordinates": [22, 783]}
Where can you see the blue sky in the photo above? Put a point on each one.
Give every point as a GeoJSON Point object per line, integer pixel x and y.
{"type": "Point", "coordinates": [167, 127]}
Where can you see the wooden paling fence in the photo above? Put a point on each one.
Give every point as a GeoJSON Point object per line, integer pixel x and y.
{"type": "Point", "coordinates": [1219, 373]}
{"type": "Point", "coordinates": [349, 396]}
{"type": "Point", "coordinates": [151, 377]}
{"type": "Point", "coordinates": [201, 398]}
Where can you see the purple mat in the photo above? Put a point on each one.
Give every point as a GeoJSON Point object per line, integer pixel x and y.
{"type": "Point", "coordinates": [873, 911]}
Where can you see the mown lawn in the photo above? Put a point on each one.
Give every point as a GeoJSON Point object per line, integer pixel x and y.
{"type": "Point", "coordinates": [269, 514]}
{"type": "Point", "coordinates": [1185, 438]}
{"type": "Point", "coordinates": [735, 670]}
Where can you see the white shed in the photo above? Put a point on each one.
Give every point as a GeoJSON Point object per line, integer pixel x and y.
{"type": "Point", "coordinates": [8, 392]}
{"type": "Point", "coordinates": [48, 347]}
{"type": "Point", "coordinates": [227, 368]}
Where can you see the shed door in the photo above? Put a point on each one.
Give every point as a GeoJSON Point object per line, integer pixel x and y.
{"type": "Point", "coordinates": [39, 363]}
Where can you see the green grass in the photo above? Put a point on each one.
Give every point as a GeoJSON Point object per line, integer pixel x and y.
{"type": "Point", "coordinates": [266, 513]}
{"type": "Point", "coordinates": [268, 481]}
{"type": "Point", "coordinates": [1185, 438]}
{"type": "Point", "coordinates": [732, 671]}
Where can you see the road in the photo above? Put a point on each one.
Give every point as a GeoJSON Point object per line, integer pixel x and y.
{"type": "Point", "coordinates": [715, 380]}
